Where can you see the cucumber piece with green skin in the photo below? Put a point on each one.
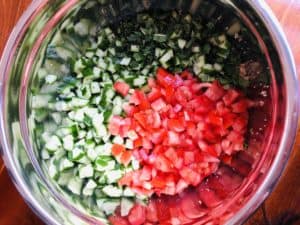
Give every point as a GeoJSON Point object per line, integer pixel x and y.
{"type": "Point", "coordinates": [104, 163]}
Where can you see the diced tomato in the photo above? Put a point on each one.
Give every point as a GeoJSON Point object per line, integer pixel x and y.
{"type": "Point", "coordinates": [163, 164]}
{"type": "Point", "coordinates": [158, 104]}
{"type": "Point", "coordinates": [115, 124]}
{"type": "Point", "coordinates": [186, 74]}
{"type": "Point", "coordinates": [240, 106]}
{"type": "Point", "coordinates": [173, 138]}
{"type": "Point", "coordinates": [137, 215]}
{"type": "Point", "coordinates": [146, 173]}
{"type": "Point", "coordinates": [230, 96]}
{"type": "Point", "coordinates": [117, 150]}
{"type": "Point", "coordinates": [189, 157]}
{"type": "Point", "coordinates": [126, 157]}
{"type": "Point", "coordinates": [176, 125]}
{"type": "Point", "coordinates": [163, 210]}
{"type": "Point", "coordinates": [126, 179]}
{"type": "Point", "coordinates": [118, 220]}
{"type": "Point", "coordinates": [165, 78]}
{"type": "Point", "coordinates": [182, 129]}
{"type": "Point", "coordinates": [158, 137]}
{"type": "Point", "coordinates": [151, 213]}
{"type": "Point", "coordinates": [158, 182]}
{"type": "Point", "coordinates": [215, 92]}
{"type": "Point", "coordinates": [214, 119]}
{"type": "Point", "coordinates": [154, 94]}
{"type": "Point", "coordinates": [181, 185]}
{"type": "Point", "coordinates": [190, 176]}
{"type": "Point", "coordinates": [121, 87]}
{"type": "Point", "coordinates": [239, 124]}
{"type": "Point", "coordinates": [129, 109]}
{"type": "Point", "coordinates": [138, 142]}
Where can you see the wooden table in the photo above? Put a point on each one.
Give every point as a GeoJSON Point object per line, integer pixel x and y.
{"type": "Point", "coordinates": [281, 208]}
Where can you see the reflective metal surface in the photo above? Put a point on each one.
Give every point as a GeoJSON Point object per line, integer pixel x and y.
{"type": "Point", "coordinates": [20, 58]}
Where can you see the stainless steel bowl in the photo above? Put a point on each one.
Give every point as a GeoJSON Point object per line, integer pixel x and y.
{"type": "Point", "coordinates": [21, 56]}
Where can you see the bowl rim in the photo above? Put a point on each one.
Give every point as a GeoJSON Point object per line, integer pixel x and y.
{"type": "Point", "coordinates": [290, 124]}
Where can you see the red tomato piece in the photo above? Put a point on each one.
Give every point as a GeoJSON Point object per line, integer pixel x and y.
{"type": "Point", "coordinates": [121, 87]}
{"type": "Point", "coordinates": [163, 210]}
{"type": "Point", "coordinates": [230, 97]}
{"type": "Point", "coordinates": [115, 124]}
{"type": "Point", "coordinates": [158, 104]}
{"type": "Point", "coordinates": [215, 92]}
{"type": "Point", "coordinates": [240, 106]}
{"type": "Point", "coordinates": [137, 215]}
{"type": "Point", "coordinates": [173, 138]}
{"type": "Point", "coordinates": [190, 176]}
{"type": "Point", "coordinates": [157, 137]}
{"type": "Point", "coordinates": [177, 125]}
{"type": "Point", "coordinates": [126, 157]}
{"type": "Point", "coordinates": [163, 164]}
{"type": "Point", "coordinates": [165, 78]}
{"type": "Point", "coordinates": [158, 182]}
{"type": "Point", "coordinates": [118, 220]}
{"type": "Point", "coordinates": [117, 150]}
{"type": "Point", "coordinates": [151, 213]}
{"type": "Point", "coordinates": [181, 185]}
{"type": "Point", "coordinates": [154, 94]}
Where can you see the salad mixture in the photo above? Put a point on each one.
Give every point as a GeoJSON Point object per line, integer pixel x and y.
{"type": "Point", "coordinates": [144, 120]}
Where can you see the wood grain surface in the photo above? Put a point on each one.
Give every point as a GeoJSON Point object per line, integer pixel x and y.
{"type": "Point", "coordinates": [283, 205]}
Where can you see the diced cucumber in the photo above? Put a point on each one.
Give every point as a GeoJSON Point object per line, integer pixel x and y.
{"type": "Point", "coordinates": [76, 154]}
{"type": "Point", "coordinates": [108, 205]}
{"type": "Point", "coordinates": [112, 191]}
{"type": "Point", "coordinates": [128, 192]}
{"type": "Point", "coordinates": [104, 150]}
{"type": "Point", "coordinates": [65, 177]}
{"type": "Point", "coordinates": [140, 81]}
{"type": "Point", "coordinates": [52, 170]}
{"type": "Point", "coordinates": [166, 57]}
{"type": "Point", "coordinates": [65, 164]}
{"type": "Point", "coordinates": [129, 144]}
{"type": "Point", "coordinates": [160, 37]}
{"type": "Point", "coordinates": [125, 61]}
{"type": "Point", "coordinates": [134, 48]}
{"type": "Point", "coordinates": [126, 206]}
{"type": "Point", "coordinates": [82, 27]}
{"type": "Point", "coordinates": [104, 163]}
{"type": "Point", "coordinates": [68, 142]}
{"type": "Point", "coordinates": [50, 79]}
{"type": "Point", "coordinates": [40, 101]}
{"type": "Point", "coordinates": [89, 188]}
{"type": "Point", "coordinates": [181, 43]}
{"type": "Point", "coordinates": [86, 171]}
{"type": "Point", "coordinates": [113, 176]}
{"type": "Point", "coordinates": [57, 117]}
{"type": "Point", "coordinates": [53, 144]}
{"type": "Point", "coordinates": [118, 140]}
{"type": "Point", "coordinates": [75, 185]}
{"type": "Point", "coordinates": [78, 102]}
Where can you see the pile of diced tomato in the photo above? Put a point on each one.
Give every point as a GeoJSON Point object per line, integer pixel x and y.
{"type": "Point", "coordinates": [180, 129]}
